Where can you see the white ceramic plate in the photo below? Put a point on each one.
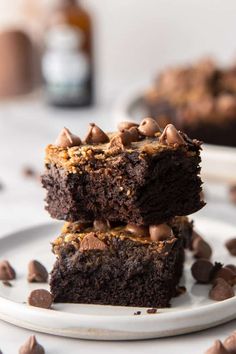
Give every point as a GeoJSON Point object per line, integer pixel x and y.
{"type": "Point", "coordinates": [218, 162]}
{"type": "Point", "coordinates": [190, 312]}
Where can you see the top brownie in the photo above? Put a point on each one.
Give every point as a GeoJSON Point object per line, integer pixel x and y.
{"type": "Point", "coordinates": [138, 175]}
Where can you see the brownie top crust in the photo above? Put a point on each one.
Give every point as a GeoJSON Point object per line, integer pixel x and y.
{"type": "Point", "coordinates": [70, 156]}
{"type": "Point", "coordinates": [100, 233]}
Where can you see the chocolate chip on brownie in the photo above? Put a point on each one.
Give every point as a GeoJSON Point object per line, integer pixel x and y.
{"type": "Point", "coordinates": [67, 139]}
{"type": "Point", "coordinates": [160, 232]}
{"type": "Point", "coordinates": [148, 127]}
{"type": "Point", "coordinates": [126, 125]}
{"type": "Point", "coordinates": [96, 135]}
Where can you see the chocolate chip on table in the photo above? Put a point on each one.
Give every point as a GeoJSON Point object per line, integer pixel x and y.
{"type": "Point", "coordinates": [230, 343]}
{"type": "Point", "coordinates": [227, 274]}
{"type": "Point", "coordinates": [221, 290]}
{"type": "Point", "coordinates": [232, 193]}
{"type": "Point", "coordinates": [96, 135]}
{"type": "Point", "coordinates": [231, 246]}
{"type": "Point", "coordinates": [126, 125]}
{"type": "Point", "coordinates": [201, 249]}
{"type": "Point", "coordinates": [202, 270]}
{"type": "Point", "coordinates": [137, 313]}
{"type": "Point", "coordinates": [28, 171]}
{"type": "Point", "coordinates": [148, 127]}
{"type": "Point", "coordinates": [7, 283]}
{"type": "Point", "coordinates": [171, 136]}
{"type": "Point", "coordinates": [40, 298]}
{"type": "Point", "coordinates": [91, 242]}
{"type": "Point", "coordinates": [101, 225]}
{"type": "Point", "coordinates": [31, 346]}
{"type": "Point", "coordinates": [180, 290]}
{"type": "Point", "coordinates": [152, 311]}
{"type": "Point", "coordinates": [6, 271]}
{"type": "Point", "coordinates": [67, 139]}
{"type": "Point", "coordinates": [217, 348]}
{"type": "Point", "coordinates": [141, 231]}
{"type": "Point", "coordinates": [37, 273]}
{"type": "Point", "coordinates": [160, 232]}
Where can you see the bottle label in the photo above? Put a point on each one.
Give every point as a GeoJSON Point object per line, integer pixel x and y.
{"type": "Point", "coordinates": [65, 67]}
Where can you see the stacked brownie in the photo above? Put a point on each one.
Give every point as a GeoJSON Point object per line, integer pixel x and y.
{"type": "Point", "coordinates": [124, 197]}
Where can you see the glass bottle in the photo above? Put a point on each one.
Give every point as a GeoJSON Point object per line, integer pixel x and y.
{"type": "Point", "coordinates": [67, 63]}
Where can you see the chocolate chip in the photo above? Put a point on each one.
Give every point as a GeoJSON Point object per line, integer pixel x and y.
{"type": "Point", "coordinates": [180, 290]}
{"type": "Point", "coordinates": [134, 134]}
{"type": "Point", "coordinates": [96, 135]}
{"type": "Point", "coordinates": [37, 273]}
{"type": "Point", "coordinates": [31, 346]}
{"type": "Point", "coordinates": [201, 249]}
{"type": "Point", "coordinates": [227, 274]}
{"type": "Point", "coordinates": [7, 283]}
{"type": "Point", "coordinates": [232, 194]}
{"type": "Point", "coordinates": [126, 125]}
{"type": "Point", "coordinates": [151, 311]}
{"type": "Point", "coordinates": [6, 271]}
{"type": "Point", "coordinates": [141, 231]}
{"type": "Point", "coordinates": [220, 290]}
{"type": "Point", "coordinates": [91, 242]}
{"type": "Point", "coordinates": [217, 348]}
{"type": "Point", "coordinates": [148, 127]}
{"type": "Point", "coordinates": [101, 225]}
{"type": "Point", "coordinates": [202, 270]}
{"type": "Point", "coordinates": [160, 232]}
{"type": "Point", "coordinates": [231, 246]}
{"type": "Point", "coordinates": [231, 267]}
{"type": "Point", "coordinates": [137, 313]}
{"type": "Point", "coordinates": [171, 136]}
{"type": "Point", "coordinates": [28, 171]}
{"type": "Point", "coordinates": [67, 139]}
{"type": "Point", "coordinates": [230, 343]}
{"type": "Point", "coordinates": [40, 298]}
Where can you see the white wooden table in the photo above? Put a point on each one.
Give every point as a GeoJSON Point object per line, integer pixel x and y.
{"type": "Point", "coordinates": [25, 129]}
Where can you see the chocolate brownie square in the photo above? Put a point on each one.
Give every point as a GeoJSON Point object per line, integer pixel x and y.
{"type": "Point", "coordinates": [126, 265]}
{"type": "Point", "coordinates": [139, 175]}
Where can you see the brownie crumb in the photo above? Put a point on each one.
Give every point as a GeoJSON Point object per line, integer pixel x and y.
{"type": "Point", "coordinates": [137, 313]}
{"type": "Point", "coordinates": [151, 311]}
{"type": "Point", "coordinates": [7, 283]}
{"type": "Point", "coordinates": [180, 290]}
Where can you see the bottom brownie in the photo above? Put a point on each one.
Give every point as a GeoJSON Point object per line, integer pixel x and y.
{"type": "Point", "coordinates": [116, 266]}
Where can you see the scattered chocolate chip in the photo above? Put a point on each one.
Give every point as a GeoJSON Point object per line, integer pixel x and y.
{"type": "Point", "coordinates": [231, 246]}
{"type": "Point", "coordinates": [40, 298]}
{"type": "Point", "coordinates": [37, 273]}
{"type": "Point", "coordinates": [141, 231]}
{"type": "Point", "coordinates": [231, 267]}
{"type": "Point", "coordinates": [230, 343]}
{"type": "Point", "coordinates": [6, 271]}
{"type": "Point", "coordinates": [31, 346]}
{"type": "Point", "coordinates": [67, 139]}
{"type": "Point", "coordinates": [151, 311]}
{"type": "Point", "coordinates": [180, 290]}
{"type": "Point", "coordinates": [96, 135]}
{"type": "Point", "coordinates": [160, 232]}
{"type": "Point", "coordinates": [148, 127]}
{"type": "Point", "coordinates": [201, 249]}
{"type": "Point", "coordinates": [171, 136]}
{"type": "Point", "coordinates": [220, 290]}
{"type": "Point", "coordinates": [28, 171]}
{"type": "Point", "coordinates": [202, 270]}
{"type": "Point", "coordinates": [126, 125]}
{"type": "Point", "coordinates": [137, 313]}
{"type": "Point", "coordinates": [7, 283]}
{"type": "Point", "coordinates": [217, 348]}
{"type": "Point", "coordinates": [232, 193]}
{"type": "Point", "coordinates": [227, 274]}
{"type": "Point", "coordinates": [91, 242]}
{"type": "Point", "coordinates": [101, 225]}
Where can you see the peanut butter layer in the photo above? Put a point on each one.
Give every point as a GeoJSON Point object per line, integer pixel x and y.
{"type": "Point", "coordinates": [71, 158]}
